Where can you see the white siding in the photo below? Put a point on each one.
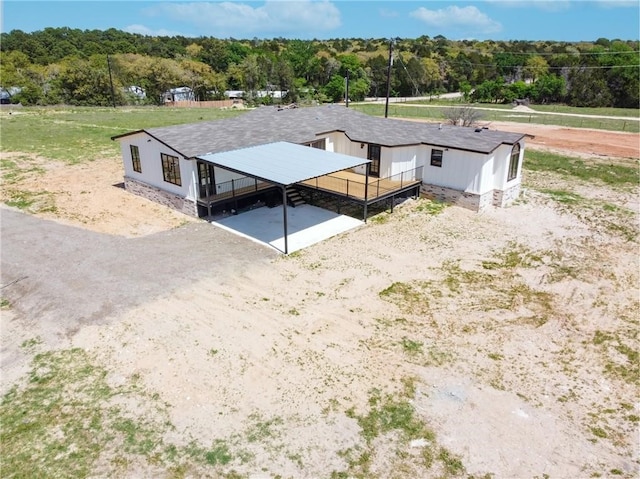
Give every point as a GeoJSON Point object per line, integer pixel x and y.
{"type": "Point", "coordinates": [461, 170]}
{"type": "Point", "coordinates": [151, 165]}
{"type": "Point", "coordinates": [222, 175]}
{"type": "Point", "coordinates": [404, 158]}
{"type": "Point", "coordinates": [501, 167]}
{"type": "Point", "coordinates": [341, 144]}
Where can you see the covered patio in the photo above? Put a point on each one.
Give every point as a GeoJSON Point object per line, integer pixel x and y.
{"type": "Point", "coordinates": [282, 165]}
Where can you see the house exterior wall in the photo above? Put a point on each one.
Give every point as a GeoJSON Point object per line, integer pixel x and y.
{"type": "Point", "coordinates": [341, 144]}
{"type": "Point", "coordinates": [157, 195]}
{"type": "Point", "coordinates": [151, 166]}
{"type": "Point", "coordinates": [222, 175]}
{"type": "Point", "coordinates": [505, 192]}
{"type": "Point", "coordinates": [461, 170]}
{"type": "Point", "coordinates": [405, 158]}
{"type": "Point", "coordinates": [472, 201]}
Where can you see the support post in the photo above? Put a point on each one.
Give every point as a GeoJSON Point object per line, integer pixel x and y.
{"type": "Point", "coordinates": [284, 214]}
{"type": "Point", "coordinates": [366, 190]}
{"type": "Point", "coordinates": [207, 190]}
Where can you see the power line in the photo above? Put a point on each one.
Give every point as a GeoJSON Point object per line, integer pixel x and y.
{"type": "Point", "coordinates": [542, 54]}
{"type": "Point", "coordinates": [571, 67]}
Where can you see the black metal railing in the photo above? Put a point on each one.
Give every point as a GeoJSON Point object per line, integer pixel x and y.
{"type": "Point", "coordinates": [356, 189]}
{"type": "Point", "coordinates": [236, 186]}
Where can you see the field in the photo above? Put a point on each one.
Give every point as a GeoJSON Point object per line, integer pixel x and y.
{"type": "Point", "coordinates": [431, 342]}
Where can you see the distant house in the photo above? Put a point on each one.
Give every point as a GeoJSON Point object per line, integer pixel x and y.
{"type": "Point", "coordinates": [241, 94]}
{"type": "Point", "coordinates": [183, 93]}
{"type": "Point", "coordinates": [136, 91]}
{"type": "Point", "coordinates": [7, 93]}
{"type": "Point", "coordinates": [275, 94]}
{"type": "Point", "coordinates": [197, 167]}
{"type": "Point", "coordinates": [234, 94]}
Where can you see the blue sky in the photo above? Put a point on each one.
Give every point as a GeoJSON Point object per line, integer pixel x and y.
{"type": "Point", "coordinates": [561, 20]}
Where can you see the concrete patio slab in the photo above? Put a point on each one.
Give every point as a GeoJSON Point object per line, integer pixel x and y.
{"type": "Point", "coordinates": [307, 225]}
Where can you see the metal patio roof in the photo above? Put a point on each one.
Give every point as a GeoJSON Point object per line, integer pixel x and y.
{"type": "Point", "coordinates": [283, 163]}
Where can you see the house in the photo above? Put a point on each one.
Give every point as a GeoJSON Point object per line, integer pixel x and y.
{"type": "Point", "coordinates": [198, 168]}
{"type": "Point", "coordinates": [135, 91]}
{"type": "Point", "coordinates": [183, 93]}
{"type": "Point", "coordinates": [6, 94]}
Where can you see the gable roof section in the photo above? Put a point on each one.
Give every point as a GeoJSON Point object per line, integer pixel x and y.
{"type": "Point", "coordinates": [302, 125]}
{"type": "Point", "coordinates": [283, 163]}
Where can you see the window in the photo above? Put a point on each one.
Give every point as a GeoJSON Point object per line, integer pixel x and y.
{"type": "Point", "coordinates": [135, 158]}
{"type": "Point", "coordinates": [514, 162]}
{"type": "Point", "coordinates": [171, 169]}
{"type": "Point", "coordinates": [318, 144]}
{"type": "Point", "coordinates": [436, 158]}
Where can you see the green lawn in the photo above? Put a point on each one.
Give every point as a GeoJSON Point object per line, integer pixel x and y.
{"type": "Point", "coordinates": [78, 134]}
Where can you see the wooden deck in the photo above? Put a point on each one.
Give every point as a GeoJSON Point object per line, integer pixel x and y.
{"type": "Point", "coordinates": [343, 183]}
{"type": "Point", "coordinates": [352, 185]}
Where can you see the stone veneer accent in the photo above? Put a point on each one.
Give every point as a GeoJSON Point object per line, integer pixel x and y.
{"type": "Point", "coordinates": [506, 197]}
{"type": "Point", "coordinates": [471, 201]}
{"type": "Point", "coordinates": [165, 198]}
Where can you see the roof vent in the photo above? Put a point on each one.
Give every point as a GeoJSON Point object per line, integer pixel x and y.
{"type": "Point", "coordinates": [440, 126]}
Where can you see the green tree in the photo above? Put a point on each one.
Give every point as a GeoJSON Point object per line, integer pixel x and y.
{"type": "Point", "coordinates": [548, 89]}
{"type": "Point", "coordinates": [535, 67]}
{"type": "Point", "coordinates": [86, 82]}
{"type": "Point", "coordinates": [335, 89]}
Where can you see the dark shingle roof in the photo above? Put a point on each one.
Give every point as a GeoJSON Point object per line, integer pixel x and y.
{"type": "Point", "coordinates": [301, 125]}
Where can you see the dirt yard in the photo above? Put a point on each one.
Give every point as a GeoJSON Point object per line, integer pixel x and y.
{"type": "Point", "coordinates": [428, 343]}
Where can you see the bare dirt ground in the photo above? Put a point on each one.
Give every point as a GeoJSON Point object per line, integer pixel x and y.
{"type": "Point", "coordinates": [516, 329]}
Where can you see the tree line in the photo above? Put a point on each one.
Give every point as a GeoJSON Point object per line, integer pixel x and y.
{"type": "Point", "coordinates": [79, 67]}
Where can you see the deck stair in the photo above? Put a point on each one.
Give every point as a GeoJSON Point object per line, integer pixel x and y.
{"type": "Point", "coordinates": [293, 197]}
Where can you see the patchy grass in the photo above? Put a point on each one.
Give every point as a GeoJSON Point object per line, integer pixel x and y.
{"type": "Point", "coordinates": [32, 201]}
{"type": "Point", "coordinates": [620, 354]}
{"type": "Point", "coordinates": [430, 207]}
{"type": "Point", "coordinates": [54, 426]}
{"type": "Point", "coordinates": [564, 197]}
{"type": "Point", "coordinates": [608, 173]}
{"type": "Point", "coordinates": [411, 347]}
{"type": "Point", "coordinates": [14, 170]}
{"type": "Point", "coordinates": [514, 255]}
{"type": "Point", "coordinates": [63, 418]}
{"type": "Point", "coordinates": [391, 421]}
{"type": "Point", "coordinates": [409, 297]}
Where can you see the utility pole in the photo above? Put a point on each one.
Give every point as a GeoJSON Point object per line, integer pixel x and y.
{"type": "Point", "coordinates": [386, 105]}
{"type": "Point", "coordinates": [113, 98]}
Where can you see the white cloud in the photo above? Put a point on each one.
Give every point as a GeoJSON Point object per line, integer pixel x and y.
{"type": "Point", "coordinates": [386, 13]}
{"type": "Point", "coordinates": [617, 3]}
{"type": "Point", "coordinates": [142, 30]}
{"type": "Point", "coordinates": [460, 18]}
{"type": "Point", "coordinates": [239, 19]}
